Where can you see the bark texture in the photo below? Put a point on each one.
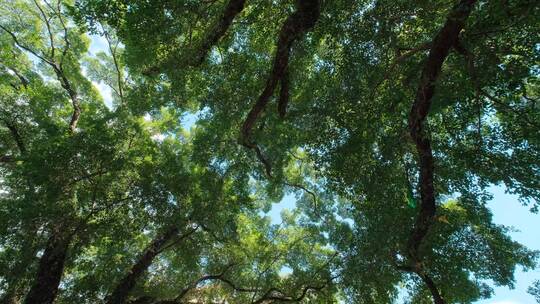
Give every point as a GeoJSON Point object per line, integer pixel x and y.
{"type": "Point", "coordinates": [440, 48]}
{"type": "Point", "coordinates": [233, 8]}
{"type": "Point", "coordinates": [298, 23]}
{"type": "Point", "coordinates": [121, 292]}
{"type": "Point", "coordinates": [50, 269]}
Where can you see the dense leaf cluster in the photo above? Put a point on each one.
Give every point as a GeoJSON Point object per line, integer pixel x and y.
{"type": "Point", "coordinates": [386, 122]}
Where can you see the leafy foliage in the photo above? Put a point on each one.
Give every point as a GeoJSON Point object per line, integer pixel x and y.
{"type": "Point", "coordinates": [386, 122]}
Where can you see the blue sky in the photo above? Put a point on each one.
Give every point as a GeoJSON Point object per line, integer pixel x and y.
{"type": "Point", "coordinates": [506, 211]}
{"type": "Point", "coordinates": [509, 212]}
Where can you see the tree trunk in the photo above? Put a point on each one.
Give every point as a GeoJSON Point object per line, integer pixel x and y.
{"type": "Point", "coordinates": [50, 269]}
{"type": "Point", "coordinates": [447, 38]}
{"type": "Point", "coordinates": [440, 48]}
{"type": "Point", "coordinates": [122, 290]}
{"type": "Point", "coordinates": [435, 293]}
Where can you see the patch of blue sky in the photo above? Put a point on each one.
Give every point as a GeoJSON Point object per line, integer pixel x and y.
{"type": "Point", "coordinates": [190, 119]}
{"type": "Point", "coordinates": [99, 44]}
{"type": "Point", "coordinates": [508, 211]}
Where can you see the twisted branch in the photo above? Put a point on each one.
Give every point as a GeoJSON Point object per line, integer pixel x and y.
{"type": "Point", "coordinates": [440, 48]}
{"type": "Point", "coordinates": [302, 20]}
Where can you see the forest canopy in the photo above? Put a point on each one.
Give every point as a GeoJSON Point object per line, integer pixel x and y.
{"type": "Point", "coordinates": [143, 171]}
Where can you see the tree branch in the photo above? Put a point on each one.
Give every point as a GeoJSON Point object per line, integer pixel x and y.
{"type": "Point", "coordinates": [302, 20]}
{"type": "Point", "coordinates": [401, 58]}
{"type": "Point", "coordinates": [120, 293]}
{"type": "Point", "coordinates": [469, 56]}
{"type": "Point", "coordinates": [16, 136]}
{"type": "Point", "coordinates": [275, 294]}
{"type": "Point", "coordinates": [214, 277]}
{"type": "Point", "coordinates": [435, 293]}
{"type": "Point", "coordinates": [116, 65]}
{"type": "Point", "coordinates": [299, 22]}
{"type": "Point", "coordinates": [283, 100]}
{"type": "Point", "coordinates": [22, 46]}
{"type": "Point", "coordinates": [48, 25]}
{"type": "Point", "coordinates": [440, 48]}
{"type": "Point", "coordinates": [233, 8]}
{"type": "Point", "coordinates": [306, 190]}
{"type": "Point", "coordinates": [23, 80]}
{"type": "Point", "coordinates": [212, 37]}
{"type": "Point", "coordinates": [60, 75]}
{"type": "Point", "coordinates": [6, 159]}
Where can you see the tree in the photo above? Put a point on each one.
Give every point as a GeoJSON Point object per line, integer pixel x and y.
{"type": "Point", "coordinates": [387, 120]}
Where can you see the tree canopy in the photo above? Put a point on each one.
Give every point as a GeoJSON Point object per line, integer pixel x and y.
{"type": "Point", "coordinates": [386, 121]}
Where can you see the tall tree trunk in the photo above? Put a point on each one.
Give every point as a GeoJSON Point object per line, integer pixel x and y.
{"type": "Point", "coordinates": [122, 290]}
{"type": "Point", "coordinates": [302, 20]}
{"type": "Point", "coordinates": [435, 293]}
{"type": "Point", "coordinates": [440, 48]}
{"type": "Point", "coordinates": [50, 269]}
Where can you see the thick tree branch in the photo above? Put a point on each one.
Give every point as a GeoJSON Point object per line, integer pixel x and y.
{"type": "Point", "coordinates": [214, 34]}
{"type": "Point", "coordinates": [302, 20]}
{"type": "Point", "coordinates": [440, 48]}
{"type": "Point", "coordinates": [51, 268]}
{"type": "Point", "coordinates": [16, 136]}
{"type": "Point", "coordinates": [158, 244]}
{"type": "Point", "coordinates": [441, 45]}
{"type": "Point", "coordinates": [283, 100]}
{"type": "Point", "coordinates": [435, 293]}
